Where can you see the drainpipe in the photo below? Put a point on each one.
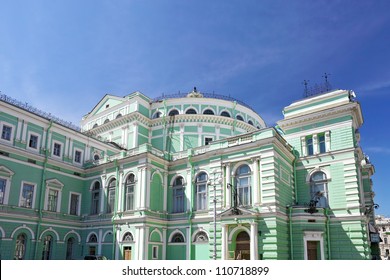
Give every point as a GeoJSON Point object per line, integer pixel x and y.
{"type": "Point", "coordinates": [328, 233]}
{"type": "Point", "coordinates": [43, 179]}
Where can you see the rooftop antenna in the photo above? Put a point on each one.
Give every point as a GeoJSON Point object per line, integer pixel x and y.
{"type": "Point", "coordinates": [327, 84]}
{"type": "Point", "coordinates": [306, 91]}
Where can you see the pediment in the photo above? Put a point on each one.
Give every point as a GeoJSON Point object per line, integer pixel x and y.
{"type": "Point", "coordinates": [4, 171]}
{"type": "Point", "coordinates": [54, 183]}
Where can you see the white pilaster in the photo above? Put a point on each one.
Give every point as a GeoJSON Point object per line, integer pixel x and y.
{"type": "Point", "coordinates": [188, 243]}
{"type": "Point", "coordinates": [188, 190]}
{"type": "Point", "coordinates": [228, 189]}
{"type": "Point", "coordinates": [254, 242]}
{"type": "Point", "coordinates": [224, 241]}
{"type": "Point", "coordinates": [165, 186]}
{"type": "Point", "coordinates": [164, 247]}
{"type": "Point", "coordinates": [255, 188]}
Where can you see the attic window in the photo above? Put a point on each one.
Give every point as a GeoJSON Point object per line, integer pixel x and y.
{"type": "Point", "coordinates": [108, 105]}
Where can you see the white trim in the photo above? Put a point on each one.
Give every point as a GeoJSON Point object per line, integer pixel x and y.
{"type": "Point", "coordinates": [11, 140]}
{"type": "Point", "coordinates": [173, 233]}
{"type": "Point", "coordinates": [32, 133]}
{"type": "Point", "coordinates": [61, 149]}
{"type": "Point", "coordinates": [313, 236]}
{"type": "Point", "coordinates": [23, 227]}
{"type": "Point", "coordinates": [81, 156]}
{"type": "Point", "coordinates": [33, 197]}
{"type": "Point", "coordinates": [52, 230]}
{"type": "Point", "coordinates": [75, 233]}
{"type": "Point", "coordinates": [159, 233]}
{"type": "Point", "coordinates": [155, 252]}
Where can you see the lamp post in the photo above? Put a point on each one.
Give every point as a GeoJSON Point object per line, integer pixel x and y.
{"type": "Point", "coordinates": [214, 183]}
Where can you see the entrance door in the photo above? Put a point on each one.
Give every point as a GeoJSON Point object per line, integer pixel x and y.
{"type": "Point", "coordinates": [243, 246]}
{"type": "Point", "coordinates": [312, 250]}
{"type": "Point", "coordinates": [127, 253]}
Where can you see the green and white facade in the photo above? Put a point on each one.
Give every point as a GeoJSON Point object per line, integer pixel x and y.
{"type": "Point", "coordinates": [142, 178]}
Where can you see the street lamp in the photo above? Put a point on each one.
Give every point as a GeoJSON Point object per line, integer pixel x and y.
{"type": "Point", "coordinates": [214, 183]}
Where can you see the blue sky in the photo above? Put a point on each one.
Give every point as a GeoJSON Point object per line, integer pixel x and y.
{"type": "Point", "coordinates": [63, 56]}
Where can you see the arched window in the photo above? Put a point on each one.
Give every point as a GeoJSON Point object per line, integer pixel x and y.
{"type": "Point", "coordinates": [69, 248]}
{"type": "Point", "coordinates": [201, 191]}
{"type": "Point", "coordinates": [106, 121]}
{"type": "Point", "coordinates": [177, 238]}
{"type": "Point", "coordinates": [95, 125]}
{"type": "Point", "coordinates": [119, 116]}
{"type": "Point", "coordinates": [95, 198]}
{"type": "Point", "coordinates": [20, 247]}
{"type": "Point", "coordinates": [178, 195]}
{"type": "Point", "coordinates": [173, 112]}
{"type": "Point", "coordinates": [201, 236]}
{"type": "Point", "coordinates": [47, 247]}
{"type": "Point", "coordinates": [250, 122]}
{"type": "Point", "coordinates": [156, 115]}
{"type": "Point", "coordinates": [128, 237]}
{"type": "Point", "coordinates": [319, 189]}
{"type": "Point", "coordinates": [243, 181]}
{"type": "Point", "coordinates": [129, 192]}
{"type": "Point", "coordinates": [240, 118]}
{"type": "Point", "coordinates": [96, 157]}
{"type": "Point", "coordinates": [111, 196]}
{"type": "Point", "coordinates": [92, 238]}
{"type": "Point", "coordinates": [191, 111]}
{"type": "Point", "coordinates": [225, 114]}
{"type": "Point", "coordinates": [208, 112]}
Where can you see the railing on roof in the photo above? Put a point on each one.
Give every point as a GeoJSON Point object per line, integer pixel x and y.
{"type": "Point", "coordinates": [45, 115]}
{"type": "Point", "coordinates": [205, 95]}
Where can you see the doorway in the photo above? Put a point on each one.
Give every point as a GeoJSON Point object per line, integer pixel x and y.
{"type": "Point", "coordinates": [242, 251]}
{"type": "Point", "coordinates": [127, 253]}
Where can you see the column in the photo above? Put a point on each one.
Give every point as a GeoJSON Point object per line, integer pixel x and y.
{"type": "Point", "coordinates": [315, 144]}
{"type": "Point", "coordinates": [19, 129]}
{"type": "Point", "coordinates": [327, 141]}
{"type": "Point", "coordinates": [303, 144]}
{"type": "Point", "coordinates": [146, 249]}
{"type": "Point", "coordinates": [188, 190]}
{"type": "Point", "coordinates": [117, 248]}
{"type": "Point", "coordinates": [139, 188]}
{"type": "Point", "coordinates": [225, 242]}
{"type": "Point", "coordinates": [254, 242]}
{"type": "Point", "coordinates": [135, 134]}
{"type": "Point", "coordinates": [181, 137]}
{"type": "Point", "coordinates": [141, 243]}
{"type": "Point", "coordinates": [165, 186]}
{"type": "Point", "coordinates": [102, 192]}
{"type": "Point", "coordinates": [188, 243]}
{"type": "Point", "coordinates": [255, 185]}
{"type": "Point", "coordinates": [147, 187]}
{"type": "Point", "coordinates": [100, 238]}
{"type": "Point", "coordinates": [119, 202]}
{"type": "Point", "coordinates": [24, 132]}
{"type": "Point", "coordinates": [228, 189]}
{"type": "Point", "coordinates": [66, 150]}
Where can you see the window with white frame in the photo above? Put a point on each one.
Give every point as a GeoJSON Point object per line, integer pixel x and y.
{"type": "Point", "coordinates": [47, 247]}
{"type": "Point", "coordinates": [78, 156]}
{"type": "Point", "coordinates": [201, 191]}
{"type": "Point", "coordinates": [313, 244]}
{"type": "Point", "coordinates": [129, 192]}
{"type": "Point", "coordinates": [111, 196]}
{"type": "Point", "coordinates": [33, 141]}
{"type": "Point", "coordinates": [128, 238]}
{"type": "Point", "coordinates": [74, 204]}
{"type": "Point", "coordinates": [27, 195]}
{"type": "Point", "coordinates": [177, 238]}
{"type": "Point", "coordinates": [178, 195]}
{"type": "Point", "coordinates": [20, 247]}
{"type": "Point", "coordinates": [316, 144]}
{"type": "Point", "coordinates": [7, 132]}
{"type": "Point", "coordinates": [52, 200]}
{"type": "Point", "coordinates": [3, 185]}
{"type": "Point", "coordinates": [319, 189]}
{"type": "Point", "coordinates": [201, 237]}
{"type": "Point", "coordinates": [95, 198]}
{"type": "Point", "coordinates": [57, 151]}
{"type": "Point", "coordinates": [243, 185]}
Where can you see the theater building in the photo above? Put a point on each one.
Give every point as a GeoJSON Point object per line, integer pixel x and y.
{"type": "Point", "coordinates": [186, 177]}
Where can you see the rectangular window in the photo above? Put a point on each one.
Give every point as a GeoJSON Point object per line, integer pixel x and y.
{"type": "Point", "coordinates": [155, 252]}
{"type": "Point", "coordinates": [57, 149]}
{"type": "Point", "coordinates": [52, 200]}
{"type": "Point", "coordinates": [26, 199]}
{"type": "Point", "coordinates": [6, 132]}
{"type": "Point", "coordinates": [111, 200]}
{"type": "Point", "coordinates": [178, 200]}
{"type": "Point", "coordinates": [33, 142]}
{"type": "Point", "coordinates": [77, 156]}
{"type": "Point", "coordinates": [309, 146]}
{"type": "Point", "coordinates": [3, 183]}
{"type": "Point", "coordinates": [321, 143]}
{"type": "Point", "coordinates": [207, 140]}
{"type": "Point", "coordinates": [74, 204]}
